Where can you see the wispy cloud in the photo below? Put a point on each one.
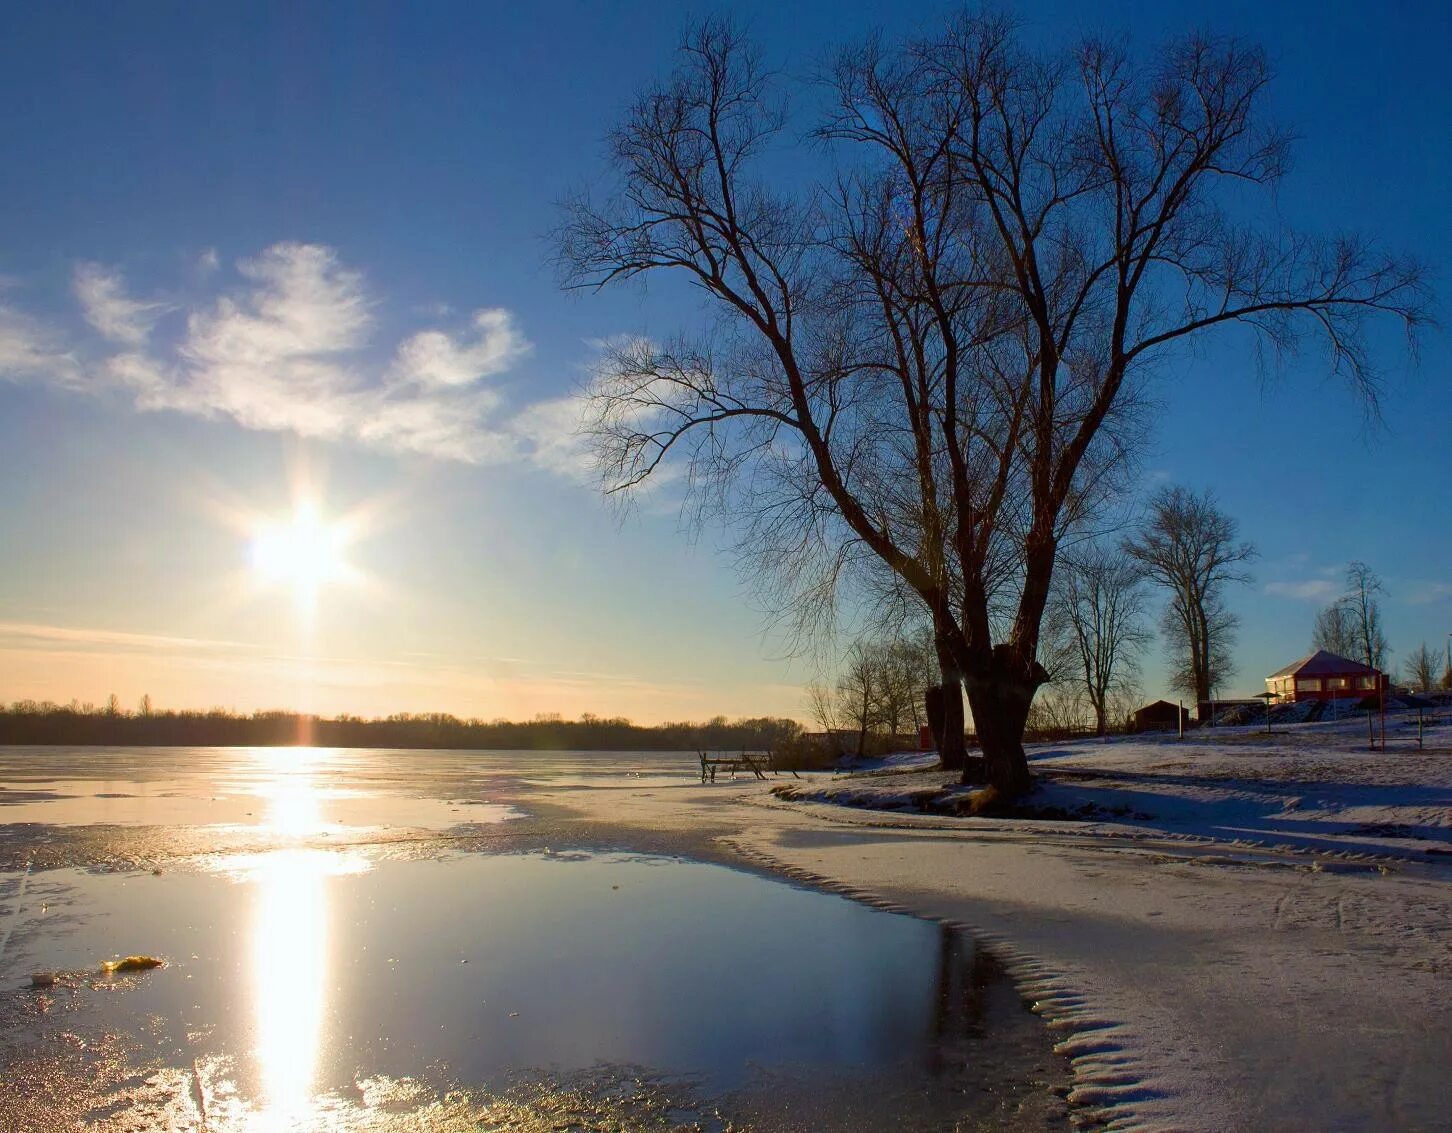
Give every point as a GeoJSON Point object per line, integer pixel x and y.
{"type": "Point", "coordinates": [1307, 590]}
{"type": "Point", "coordinates": [40, 635]}
{"type": "Point", "coordinates": [107, 307]}
{"type": "Point", "coordinates": [432, 359]}
{"type": "Point", "coordinates": [290, 346]}
{"type": "Point", "coordinates": [30, 351]}
{"type": "Point", "coordinates": [1425, 593]}
{"type": "Point", "coordinates": [551, 431]}
{"type": "Point", "coordinates": [35, 658]}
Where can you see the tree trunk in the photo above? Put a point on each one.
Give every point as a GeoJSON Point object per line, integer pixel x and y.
{"type": "Point", "coordinates": [945, 720]}
{"type": "Point", "coordinates": [1000, 699]}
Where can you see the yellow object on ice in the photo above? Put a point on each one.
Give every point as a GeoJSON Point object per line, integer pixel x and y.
{"type": "Point", "coordinates": [131, 964]}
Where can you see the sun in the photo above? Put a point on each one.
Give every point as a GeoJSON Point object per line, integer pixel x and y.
{"type": "Point", "coordinates": [305, 552]}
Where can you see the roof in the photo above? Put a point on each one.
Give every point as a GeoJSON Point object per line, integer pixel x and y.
{"type": "Point", "coordinates": [1321, 664]}
{"type": "Point", "coordinates": [1161, 705]}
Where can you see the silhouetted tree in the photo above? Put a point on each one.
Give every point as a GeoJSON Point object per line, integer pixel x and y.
{"type": "Point", "coordinates": [932, 357]}
{"type": "Point", "coordinates": [1364, 614]}
{"type": "Point", "coordinates": [859, 690]}
{"type": "Point", "coordinates": [1098, 612]}
{"type": "Point", "coordinates": [1334, 632]}
{"type": "Point", "coordinates": [1422, 666]}
{"type": "Point", "coordinates": [1187, 545]}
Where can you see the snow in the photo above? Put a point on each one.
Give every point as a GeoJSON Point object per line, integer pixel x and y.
{"type": "Point", "coordinates": [1251, 932]}
{"type": "Point", "coordinates": [1315, 787]}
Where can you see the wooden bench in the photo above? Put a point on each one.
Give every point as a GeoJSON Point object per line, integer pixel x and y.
{"type": "Point", "coordinates": [758, 763]}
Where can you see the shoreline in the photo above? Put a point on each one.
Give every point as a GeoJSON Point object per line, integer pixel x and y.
{"type": "Point", "coordinates": [1189, 990]}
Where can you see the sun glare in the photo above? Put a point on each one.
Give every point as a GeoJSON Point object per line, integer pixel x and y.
{"type": "Point", "coordinates": [305, 552]}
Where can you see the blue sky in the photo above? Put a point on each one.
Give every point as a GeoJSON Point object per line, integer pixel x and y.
{"type": "Point", "coordinates": [249, 248]}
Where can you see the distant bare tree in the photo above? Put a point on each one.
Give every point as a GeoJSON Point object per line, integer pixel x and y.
{"type": "Point", "coordinates": [1188, 546]}
{"type": "Point", "coordinates": [910, 667]}
{"type": "Point", "coordinates": [1058, 708]}
{"type": "Point", "coordinates": [1334, 632]}
{"type": "Point", "coordinates": [1422, 665]}
{"type": "Point", "coordinates": [859, 691]}
{"type": "Point", "coordinates": [1364, 614]}
{"type": "Point", "coordinates": [1098, 611]}
{"type": "Point", "coordinates": [932, 357]}
{"type": "Point", "coordinates": [822, 706]}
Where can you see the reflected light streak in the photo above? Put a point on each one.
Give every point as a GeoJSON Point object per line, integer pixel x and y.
{"type": "Point", "coordinates": [290, 945]}
{"type": "Point", "coordinates": [290, 967]}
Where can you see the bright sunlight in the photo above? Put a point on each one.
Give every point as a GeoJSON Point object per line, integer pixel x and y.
{"type": "Point", "coordinates": [304, 552]}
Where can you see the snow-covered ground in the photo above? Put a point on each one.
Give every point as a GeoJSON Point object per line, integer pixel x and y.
{"type": "Point", "coordinates": [1314, 786]}
{"type": "Point", "coordinates": [1247, 932]}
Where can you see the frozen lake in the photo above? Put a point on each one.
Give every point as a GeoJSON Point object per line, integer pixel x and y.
{"type": "Point", "coordinates": [315, 977]}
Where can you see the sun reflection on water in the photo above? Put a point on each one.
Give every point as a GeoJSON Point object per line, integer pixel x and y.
{"type": "Point", "coordinates": [291, 950]}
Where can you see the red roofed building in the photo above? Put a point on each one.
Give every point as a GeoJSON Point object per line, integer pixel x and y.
{"type": "Point", "coordinates": [1325, 676]}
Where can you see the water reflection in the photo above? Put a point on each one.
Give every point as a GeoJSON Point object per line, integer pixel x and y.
{"type": "Point", "coordinates": [290, 950]}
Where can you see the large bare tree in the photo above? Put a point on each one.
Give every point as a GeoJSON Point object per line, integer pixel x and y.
{"type": "Point", "coordinates": [1188, 546]}
{"type": "Point", "coordinates": [1363, 613]}
{"type": "Point", "coordinates": [1097, 612]}
{"type": "Point", "coordinates": [928, 339]}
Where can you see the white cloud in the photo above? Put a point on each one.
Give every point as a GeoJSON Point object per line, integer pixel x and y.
{"type": "Point", "coordinates": [110, 310]}
{"type": "Point", "coordinates": [289, 352]}
{"type": "Point", "coordinates": [1424, 593]}
{"type": "Point", "coordinates": [1309, 590]}
{"type": "Point", "coordinates": [30, 351]}
{"type": "Point", "coordinates": [290, 347]}
{"type": "Point", "coordinates": [551, 432]}
{"type": "Point", "coordinates": [433, 359]}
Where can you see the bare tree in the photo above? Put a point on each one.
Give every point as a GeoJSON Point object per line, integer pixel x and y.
{"type": "Point", "coordinates": [822, 707]}
{"type": "Point", "coordinates": [910, 667]}
{"type": "Point", "coordinates": [1364, 615]}
{"type": "Point", "coordinates": [1097, 611]}
{"type": "Point", "coordinates": [1422, 665]}
{"type": "Point", "coordinates": [1188, 546]}
{"type": "Point", "coordinates": [1334, 632]}
{"type": "Point", "coordinates": [859, 690]}
{"type": "Point", "coordinates": [932, 358]}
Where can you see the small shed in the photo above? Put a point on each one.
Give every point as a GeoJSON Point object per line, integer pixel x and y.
{"type": "Point", "coordinates": [1161, 716]}
{"type": "Point", "coordinates": [1325, 676]}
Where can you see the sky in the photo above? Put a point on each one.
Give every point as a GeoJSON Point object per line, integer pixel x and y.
{"type": "Point", "coordinates": [252, 254]}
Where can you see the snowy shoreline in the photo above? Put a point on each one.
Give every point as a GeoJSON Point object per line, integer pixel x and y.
{"type": "Point", "coordinates": [1263, 942]}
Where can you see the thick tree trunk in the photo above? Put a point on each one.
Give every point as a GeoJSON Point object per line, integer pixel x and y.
{"type": "Point", "coordinates": [1000, 699]}
{"type": "Point", "coordinates": [945, 720]}
{"type": "Point", "coordinates": [945, 711]}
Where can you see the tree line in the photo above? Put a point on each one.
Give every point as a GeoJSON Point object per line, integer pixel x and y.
{"type": "Point", "coordinates": [43, 723]}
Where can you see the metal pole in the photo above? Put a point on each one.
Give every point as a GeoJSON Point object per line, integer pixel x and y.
{"type": "Point", "coordinates": [1381, 680]}
{"type": "Point", "coordinates": [1180, 716]}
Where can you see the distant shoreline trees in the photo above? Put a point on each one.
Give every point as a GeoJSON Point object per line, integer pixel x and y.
{"type": "Point", "coordinates": [42, 723]}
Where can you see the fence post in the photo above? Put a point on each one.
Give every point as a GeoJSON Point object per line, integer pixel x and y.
{"type": "Point", "coordinates": [1180, 717]}
{"type": "Point", "coordinates": [1371, 729]}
